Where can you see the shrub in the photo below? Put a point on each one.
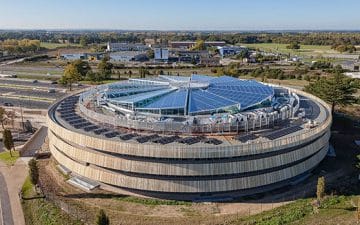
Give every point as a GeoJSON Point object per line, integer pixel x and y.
{"type": "Point", "coordinates": [33, 171]}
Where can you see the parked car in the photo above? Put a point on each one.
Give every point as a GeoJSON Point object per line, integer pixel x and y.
{"type": "Point", "coordinates": [8, 104]}
{"type": "Point", "coordinates": [51, 90]}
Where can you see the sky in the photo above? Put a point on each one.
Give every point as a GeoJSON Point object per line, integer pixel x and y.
{"type": "Point", "coordinates": [181, 14]}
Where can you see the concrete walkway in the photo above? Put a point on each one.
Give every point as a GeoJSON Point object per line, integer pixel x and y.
{"type": "Point", "coordinates": [5, 207]}
{"type": "Point", "coordinates": [11, 181]}
{"type": "Point", "coordinates": [34, 143]}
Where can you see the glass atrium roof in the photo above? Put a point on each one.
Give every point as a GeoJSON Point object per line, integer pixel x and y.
{"type": "Point", "coordinates": [190, 95]}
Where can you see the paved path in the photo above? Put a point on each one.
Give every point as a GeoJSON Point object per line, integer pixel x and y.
{"type": "Point", "coordinates": [5, 207]}
{"type": "Point", "coordinates": [11, 181]}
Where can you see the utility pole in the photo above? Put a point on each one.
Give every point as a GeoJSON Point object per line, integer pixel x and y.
{"type": "Point", "coordinates": [22, 118]}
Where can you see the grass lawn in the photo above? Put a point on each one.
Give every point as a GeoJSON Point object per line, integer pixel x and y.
{"type": "Point", "coordinates": [6, 158]}
{"type": "Point", "coordinates": [333, 210]}
{"type": "Point", "coordinates": [305, 50]}
{"type": "Point", "coordinates": [39, 211]}
{"type": "Point", "coordinates": [153, 202]}
{"type": "Point", "coordinates": [282, 47]}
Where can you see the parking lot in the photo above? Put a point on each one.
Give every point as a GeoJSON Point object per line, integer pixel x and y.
{"type": "Point", "coordinates": [29, 93]}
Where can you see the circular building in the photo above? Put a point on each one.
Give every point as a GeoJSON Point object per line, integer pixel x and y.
{"type": "Point", "coordinates": [190, 138]}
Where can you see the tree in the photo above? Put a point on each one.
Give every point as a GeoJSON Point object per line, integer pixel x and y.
{"type": "Point", "coordinates": [320, 188]}
{"type": "Point", "coordinates": [8, 140]}
{"type": "Point", "coordinates": [243, 54]}
{"type": "Point", "coordinates": [150, 54]}
{"type": "Point", "coordinates": [293, 45]}
{"type": "Point", "coordinates": [105, 68]}
{"type": "Point", "coordinates": [102, 218]}
{"type": "Point", "coordinates": [84, 41]}
{"type": "Point", "coordinates": [94, 77]}
{"type": "Point", "coordinates": [70, 76]}
{"type": "Point", "coordinates": [33, 172]}
{"type": "Point", "coordinates": [2, 117]}
{"type": "Point", "coordinates": [82, 67]}
{"type": "Point", "coordinates": [199, 45]}
{"type": "Point", "coordinates": [336, 90]}
{"type": "Point", "coordinates": [322, 64]}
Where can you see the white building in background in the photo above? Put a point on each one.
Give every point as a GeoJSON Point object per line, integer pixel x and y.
{"type": "Point", "coordinates": [161, 54]}
{"type": "Point", "coordinates": [125, 56]}
{"type": "Point", "coordinates": [116, 47]}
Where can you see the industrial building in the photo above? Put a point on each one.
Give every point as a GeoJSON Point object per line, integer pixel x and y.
{"type": "Point", "coordinates": [231, 50]}
{"type": "Point", "coordinates": [196, 138]}
{"type": "Point", "coordinates": [116, 47]}
{"type": "Point", "coordinates": [161, 54]}
{"type": "Point", "coordinates": [128, 56]}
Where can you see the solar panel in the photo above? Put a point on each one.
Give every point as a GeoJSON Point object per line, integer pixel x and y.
{"type": "Point", "coordinates": [213, 141]}
{"type": "Point", "coordinates": [100, 131]}
{"type": "Point", "coordinates": [126, 137]}
{"type": "Point", "coordinates": [282, 132]}
{"type": "Point", "coordinates": [81, 125]}
{"type": "Point", "coordinates": [111, 134]}
{"type": "Point", "coordinates": [245, 138]}
{"type": "Point", "coordinates": [70, 119]}
{"type": "Point", "coordinates": [166, 140]}
{"type": "Point", "coordinates": [66, 109]}
{"type": "Point", "coordinates": [143, 139]}
{"type": "Point", "coordinates": [90, 128]}
{"type": "Point", "coordinates": [191, 140]}
{"type": "Point", "coordinates": [66, 115]}
{"type": "Point", "coordinates": [78, 121]}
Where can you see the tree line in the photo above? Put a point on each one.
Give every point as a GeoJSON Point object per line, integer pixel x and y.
{"type": "Point", "coordinates": [14, 46]}
{"type": "Point", "coordinates": [96, 37]}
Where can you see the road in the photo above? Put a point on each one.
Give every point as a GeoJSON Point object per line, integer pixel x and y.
{"type": "Point", "coordinates": [5, 206]}
{"type": "Point", "coordinates": [11, 181]}
{"type": "Point", "coordinates": [12, 62]}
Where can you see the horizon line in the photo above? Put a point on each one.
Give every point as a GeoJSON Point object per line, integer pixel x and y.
{"type": "Point", "coordinates": [181, 30]}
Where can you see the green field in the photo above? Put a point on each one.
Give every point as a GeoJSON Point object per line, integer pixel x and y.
{"type": "Point", "coordinates": [305, 50]}
{"type": "Point", "coordinates": [56, 45]}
